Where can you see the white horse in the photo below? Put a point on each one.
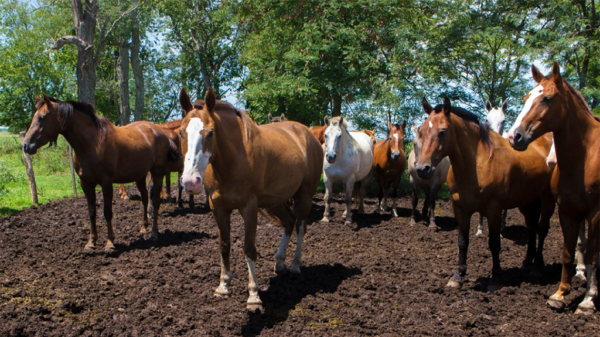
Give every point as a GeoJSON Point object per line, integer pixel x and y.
{"type": "Point", "coordinates": [496, 118]}
{"type": "Point", "coordinates": [430, 186]}
{"type": "Point", "coordinates": [348, 158]}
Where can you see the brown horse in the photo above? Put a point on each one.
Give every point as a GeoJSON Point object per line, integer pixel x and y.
{"type": "Point", "coordinates": [277, 119]}
{"type": "Point", "coordinates": [389, 162]}
{"type": "Point", "coordinates": [247, 167]}
{"type": "Point", "coordinates": [487, 176]}
{"type": "Point", "coordinates": [319, 132]}
{"type": "Point", "coordinates": [555, 106]}
{"type": "Point", "coordinates": [105, 154]}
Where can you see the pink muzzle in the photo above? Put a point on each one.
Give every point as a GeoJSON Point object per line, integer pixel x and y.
{"type": "Point", "coordinates": [192, 183]}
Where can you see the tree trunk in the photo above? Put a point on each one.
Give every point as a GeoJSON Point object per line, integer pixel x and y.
{"type": "Point", "coordinates": [85, 25]}
{"type": "Point", "coordinates": [337, 105]}
{"type": "Point", "coordinates": [136, 66]}
{"type": "Point", "coordinates": [123, 75]}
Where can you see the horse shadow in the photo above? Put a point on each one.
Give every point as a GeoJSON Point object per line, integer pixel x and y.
{"type": "Point", "coordinates": [165, 239]}
{"type": "Point", "coordinates": [446, 223]}
{"type": "Point", "coordinates": [368, 220]}
{"type": "Point", "coordinates": [285, 293]}
{"type": "Point", "coordinates": [176, 212]}
{"type": "Point", "coordinates": [518, 234]}
{"type": "Point", "coordinates": [515, 277]}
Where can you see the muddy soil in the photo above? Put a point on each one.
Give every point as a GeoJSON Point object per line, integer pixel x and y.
{"type": "Point", "coordinates": [379, 277]}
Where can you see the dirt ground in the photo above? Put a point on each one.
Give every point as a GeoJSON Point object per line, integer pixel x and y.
{"type": "Point", "coordinates": [379, 277]}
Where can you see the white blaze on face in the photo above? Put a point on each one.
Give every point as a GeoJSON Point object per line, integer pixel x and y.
{"type": "Point", "coordinates": [496, 117]}
{"type": "Point", "coordinates": [397, 140]}
{"type": "Point", "coordinates": [332, 140]}
{"type": "Point", "coordinates": [533, 94]}
{"type": "Point", "coordinates": [196, 160]}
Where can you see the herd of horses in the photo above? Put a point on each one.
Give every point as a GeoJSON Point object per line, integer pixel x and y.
{"type": "Point", "coordinates": [550, 156]}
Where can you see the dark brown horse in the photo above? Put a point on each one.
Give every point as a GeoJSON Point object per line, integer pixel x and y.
{"type": "Point", "coordinates": [555, 106]}
{"type": "Point", "coordinates": [487, 176]}
{"type": "Point", "coordinates": [389, 163]}
{"type": "Point", "coordinates": [249, 167]}
{"type": "Point", "coordinates": [105, 154]}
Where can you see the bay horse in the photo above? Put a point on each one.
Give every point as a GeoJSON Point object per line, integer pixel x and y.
{"type": "Point", "coordinates": [496, 118]}
{"type": "Point", "coordinates": [487, 176]}
{"type": "Point", "coordinates": [248, 167]}
{"type": "Point", "coordinates": [430, 186]}
{"type": "Point", "coordinates": [104, 154]}
{"type": "Point", "coordinates": [277, 119]}
{"type": "Point", "coordinates": [389, 163]}
{"type": "Point", "coordinates": [555, 106]}
{"type": "Point", "coordinates": [349, 158]}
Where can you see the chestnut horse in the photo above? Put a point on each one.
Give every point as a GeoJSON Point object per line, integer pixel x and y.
{"type": "Point", "coordinates": [319, 132]}
{"type": "Point", "coordinates": [247, 167]}
{"type": "Point", "coordinates": [555, 106]}
{"type": "Point", "coordinates": [487, 176]}
{"type": "Point", "coordinates": [349, 159]}
{"type": "Point", "coordinates": [389, 163]}
{"type": "Point", "coordinates": [105, 154]}
{"type": "Point", "coordinates": [431, 186]}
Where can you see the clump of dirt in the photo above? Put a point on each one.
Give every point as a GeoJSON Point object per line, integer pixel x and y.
{"type": "Point", "coordinates": [380, 276]}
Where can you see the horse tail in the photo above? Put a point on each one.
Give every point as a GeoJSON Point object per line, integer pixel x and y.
{"type": "Point", "coordinates": [173, 155]}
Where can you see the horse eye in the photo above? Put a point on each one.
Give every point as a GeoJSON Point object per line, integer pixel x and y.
{"type": "Point", "coordinates": [442, 133]}
{"type": "Point", "coordinates": [546, 99]}
{"type": "Point", "coordinates": [42, 117]}
{"type": "Point", "coordinates": [326, 136]}
{"type": "Point", "coordinates": [210, 133]}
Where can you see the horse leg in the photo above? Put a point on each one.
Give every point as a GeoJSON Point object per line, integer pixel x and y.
{"type": "Point", "coordinates": [380, 209]}
{"type": "Point", "coordinates": [223, 218]}
{"type": "Point", "coordinates": [168, 186]}
{"type": "Point", "coordinates": [282, 213]}
{"type": "Point", "coordinates": [431, 201]}
{"type": "Point", "coordinates": [179, 189]}
{"type": "Point", "coordinates": [249, 214]}
{"type": "Point", "coordinates": [464, 223]}
{"type": "Point", "coordinates": [361, 194]}
{"type": "Point", "coordinates": [300, 231]}
{"type": "Point", "coordinates": [157, 180]}
{"type": "Point", "coordinates": [395, 197]}
{"type": "Point", "coordinates": [479, 233]}
{"type": "Point", "coordinates": [591, 265]}
{"type": "Point", "coordinates": [531, 212]}
{"type": "Point", "coordinates": [348, 212]}
{"type": "Point", "coordinates": [503, 223]}
{"type": "Point", "coordinates": [548, 205]}
{"type": "Point", "coordinates": [90, 195]}
{"type": "Point", "coordinates": [581, 243]}
{"type": "Point", "coordinates": [122, 192]}
{"type": "Point", "coordinates": [386, 193]}
{"type": "Point", "coordinates": [570, 229]}
{"type": "Point", "coordinates": [328, 196]}
{"type": "Point", "coordinates": [415, 202]}
{"type": "Point", "coordinates": [141, 186]}
{"type": "Point", "coordinates": [494, 218]}
{"type": "Point", "coordinates": [425, 211]}
{"type": "Point", "coordinates": [107, 194]}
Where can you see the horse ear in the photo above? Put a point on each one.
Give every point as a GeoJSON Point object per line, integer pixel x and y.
{"type": "Point", "coordinates": [428, 109]}
{"type": "Point", "coordinates": [37, 98]}
{"type": "Point", "coordinates": [390, 126]}
{"type": "Point", "coordinates": [342, 121]}
{"type": "Point", "coordinates": [326, 120]}
{"type": "Point", "coordinates": [185, 102]}
{"type": "Point", "coordinates": [447, 106]}
{"type": "Point", "coordinates": [270, 118]}
{"type": "Point", "coordinates": [488, 105]}
{"type": "Point", "coordinates": [283, 117]}
{"type": "Point", "coordinates": [504, 105]}
{"type": "Point", "coordinates": [537, 75]}
{"type": "Point", "coordinates": [556, 73]}
{"type": "Point", "coordinates": [210, 100]}
{"type": "Point", "coordinates": [47, 101]}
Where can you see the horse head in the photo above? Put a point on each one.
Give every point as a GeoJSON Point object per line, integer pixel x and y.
{"type": "Point", "coordinates": [277, 119]}
{"type": "Point", "coordinates": [543, 110]}
{"type": "Point", "coordinates": [333, 135]}
{"type": "Point", "coordinates": [434, 135]}
{"type": "Point", "coordinates": [45, 125]}
{"type": "Point", "coordinates": [496, 116]}
{"type": "Point", "coordinates": [197, 139]}
{"type": "Point", "coordinates": [396, 138]}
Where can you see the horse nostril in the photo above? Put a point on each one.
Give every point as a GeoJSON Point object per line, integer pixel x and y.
{"type": "Point", "coordinates": [198, 179]}
{"type": "Point", "coordinates": [25, 147]}
{"type": "Point", "coordinates": [518, 137]}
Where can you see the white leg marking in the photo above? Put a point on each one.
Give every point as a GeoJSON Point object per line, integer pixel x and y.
{"type": "Point", "coordinates": [252, 283]}
{"type": "Point", "coordinates": [581, 244]}
{"type": "Point", "coordinates": [226, 276]}
{"type": "Point", "coordinates": [587, 305]}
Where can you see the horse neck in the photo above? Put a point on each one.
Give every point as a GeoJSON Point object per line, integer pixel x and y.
{"type": "Point", "coordinates": [463, 155]}
{"type": "Point", "coordinates": [82, 134]}
{"type": "Point", "coordinates": [228, 144]}
{"type": "Point", "coordinates": [577, 129]}
{"type": "Point", "coordinates": [347, 141]}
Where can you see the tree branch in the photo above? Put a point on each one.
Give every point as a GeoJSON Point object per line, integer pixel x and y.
{"type": "Point", "coordinates": [70, 39]}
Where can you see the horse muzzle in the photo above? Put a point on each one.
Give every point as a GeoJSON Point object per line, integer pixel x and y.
{"type": "Point", "coordinates": [519, 140]}
{"type": "Point", "coordinates": [192, 184]}
{"type": "Point", "coordinates": [395, 155]}
{"type": "Point", "coordinates": [331, 158]}
{"type": "Point", "coordinates": [425, 171]}
{"type": "Point", "coordinates": [29, 148]}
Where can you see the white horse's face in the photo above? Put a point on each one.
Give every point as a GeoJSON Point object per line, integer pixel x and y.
{"type": "Point", "coordinates": [496, 117]}
{"type": "Point", "coordinates": [198, 141]}
{"type": "Point", "coordinates": [333, 135]}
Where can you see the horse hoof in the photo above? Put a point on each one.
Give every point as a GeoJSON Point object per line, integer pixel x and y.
{"type": "Point", "coordinates": [479, 234]}
{"type": "Point", "coordinates": [580, 276]}
{"type": "Point", "coordinates": [585, 308]}
{"type": "Point", "coordinates": [325, 220]}
{"type": "Point", "coordinates": [295, 270]}
{"type": "Point", "coordinates": [454, 284]}
{"type": "Point", "coordinates": [412, 222]}
{"type": "Point", "coordinates": [89, 246]}
{"type": "Point", "coordinates": [280, 270]}
{"type": "Point", "coordinates": [348, 223]}
{"type": "Point", "coordinates": [394, 214]}
{"type": "Point", "coordinates": [221, 293]}
{"type": "Point", "coordinates": [557, 305]}
{"type": "Point", "coordinates": [433, 227]}
{"type": "Point", "coordinates": [154, 236]}
{"type": "Point", "coordinates": [109, 248]}
{"type": "Point", "coordinates": [255, 307]}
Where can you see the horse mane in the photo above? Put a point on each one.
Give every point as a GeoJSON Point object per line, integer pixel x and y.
{"type": "Point", "coordinates": [484, 127]}
{"type": "Point", "coordinates": [580, 99]}
{"type": "Point", "coordinates": [66, 109]}
{"type": "Point", "coordinates": [246, 120]}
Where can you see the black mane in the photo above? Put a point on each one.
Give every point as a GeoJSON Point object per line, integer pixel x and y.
{"type": "Point", "coordinates": [484, 127]}
{"type": "Point", "coordinates": [66, 109]}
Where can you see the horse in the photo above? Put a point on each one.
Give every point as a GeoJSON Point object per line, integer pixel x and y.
{"type": "Point", "coordinates": [371, 134]}
{"type": "Point", "coordinates": [389, 163]}
{"type": "Point", "coordinates": [496, 118]}
{"type": "Point", "coordinates": [487, 176]}
{"type": "Point", "coordinates": [247, 167]}
{"type": "Point", "coordinates": [349, 158]}
{"type": "Point", "coordinates": [277, 119]}
{"type": "Point", "coordinates": [319, 133]}
{"type": "Point", "coordinates": [105, 154]}
{"type": "Point", "coordinates": [555, 106]}
{"type": "Point", "coordinates": [431, 186]}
